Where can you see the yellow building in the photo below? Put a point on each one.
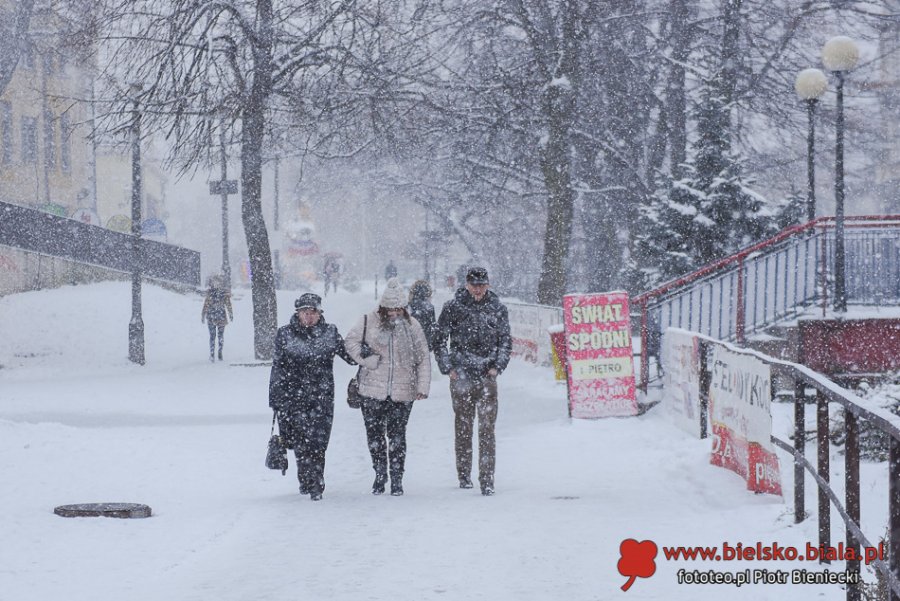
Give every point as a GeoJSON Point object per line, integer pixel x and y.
{"type": "Point", "coordinates": [45, 120]}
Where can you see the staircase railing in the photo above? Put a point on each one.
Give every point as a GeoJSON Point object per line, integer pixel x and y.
{"type": "Point", "coordinates": [813, 390]}
{"type": "Point", "coordinates": [774, 280]}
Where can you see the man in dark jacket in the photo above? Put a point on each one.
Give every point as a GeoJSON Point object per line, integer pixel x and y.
{"type": "Point", "coordinates": [301, 389]}
{"type": "Point", "coordinates": [477, 326]}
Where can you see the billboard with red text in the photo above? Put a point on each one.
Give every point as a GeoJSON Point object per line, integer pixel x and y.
{"type": "Point", "coordinates": [599, 357]}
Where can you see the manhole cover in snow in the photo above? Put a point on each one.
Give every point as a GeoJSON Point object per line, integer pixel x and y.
{"type": "Point", "coordinates": [109, 510]}
{"type": "Point", "coordinates": [564, 498]}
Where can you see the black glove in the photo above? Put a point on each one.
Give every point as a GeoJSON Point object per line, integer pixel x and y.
{"type": "Point", "coordinates": [365, 350]}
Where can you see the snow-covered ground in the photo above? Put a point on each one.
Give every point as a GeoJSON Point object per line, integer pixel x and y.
{"type": "Point", "coordinates": [79, 423]}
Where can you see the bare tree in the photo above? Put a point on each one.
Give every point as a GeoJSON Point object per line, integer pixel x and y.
{"type": "Point", "coordinates": [206, 65]}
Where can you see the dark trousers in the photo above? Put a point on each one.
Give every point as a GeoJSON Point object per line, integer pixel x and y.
{"type": "Point", "coordinates": [386, 431]}
{"type": "Point", "coordinates": [308, 431]}
{"type": "Point", "coordinates": [475, 396]}
{"type": "Point", "coordinates": [213, 329]}
{"type": "Point", "coordinates": [330, 282]}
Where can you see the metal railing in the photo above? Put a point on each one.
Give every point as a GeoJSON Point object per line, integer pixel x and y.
{"type": "Point", "coordinates": [39, 232]}
{"type": "Point", "coordinates": [827, 392]}
{"type": "Point", "coordinates": [773, 280]}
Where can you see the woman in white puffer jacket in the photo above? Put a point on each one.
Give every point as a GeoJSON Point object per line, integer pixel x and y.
{"type": "Point", "coordinates": [395, 372]}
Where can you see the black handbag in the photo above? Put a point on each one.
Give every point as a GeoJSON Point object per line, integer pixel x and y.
{"type": "Point", "coordinates": [353, 398]}
{"type": "Point", "coordinates": [276, 456]}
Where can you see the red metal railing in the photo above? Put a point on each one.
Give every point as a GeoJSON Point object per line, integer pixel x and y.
{"type": "Point", "coordinates": [736, 262]}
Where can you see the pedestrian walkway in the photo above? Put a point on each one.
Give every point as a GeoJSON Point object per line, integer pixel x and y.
{"type": "Point", "coordinates": [188, 438]}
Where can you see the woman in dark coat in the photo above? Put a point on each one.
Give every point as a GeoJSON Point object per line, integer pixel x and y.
{"type": "Point", "coordinates": [422, 310]}
{"type": "Point", "coordinates": [215, 306]}
{"type": "Point", "coordinates": [301, 389]}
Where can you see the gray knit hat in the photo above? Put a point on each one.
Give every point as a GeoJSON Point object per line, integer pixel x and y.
{"type": "Point", "coordinates": [393, 297]}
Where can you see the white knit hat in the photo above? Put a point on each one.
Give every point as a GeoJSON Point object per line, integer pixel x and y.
{"type": "Point", "coordinates": [393, 297]}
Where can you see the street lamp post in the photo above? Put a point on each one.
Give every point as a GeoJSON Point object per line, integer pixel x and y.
{"type": "Point", "coordinates": [226, 264]}
{"type": "Point", "coordinates": [839, 55]}
{"type": "Point", "coordinates": [276, 254]}
{"type": "Point", "coordinates": [136, 325]}
{"type": "Point", "coordinates": [810, 85]}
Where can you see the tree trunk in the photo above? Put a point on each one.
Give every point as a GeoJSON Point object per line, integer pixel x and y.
{"type": "Point", "coordinates": [731, 54]}
{"type": "Point", "coordinates": [605, 248]}
{"type": "Point", "coordinates": [676, 109]}
{"type": "Point", "coordinates": [556, 165]}
{"type": "Point", "coordinates": [262, 280]}
{"type": "Point", "coordinates": [556, 159]}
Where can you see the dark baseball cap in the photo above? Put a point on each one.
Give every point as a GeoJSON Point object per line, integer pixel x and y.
{"type": "Point", "coordinates": [309, 301]}
{"type": "Point", "coordinates": [477, 275]}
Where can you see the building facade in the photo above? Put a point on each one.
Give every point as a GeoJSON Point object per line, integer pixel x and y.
{"type": "Point", "coordinates": [46, 156]}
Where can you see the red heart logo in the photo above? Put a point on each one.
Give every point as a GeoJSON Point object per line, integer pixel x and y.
{"type": "Point", "coordinates": [637, 560]}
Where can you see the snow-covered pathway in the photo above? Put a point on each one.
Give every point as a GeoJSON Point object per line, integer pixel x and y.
{"type": "Point", "coordinates": [80, 424]}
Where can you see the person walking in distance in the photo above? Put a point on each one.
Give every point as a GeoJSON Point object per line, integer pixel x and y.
{"type": "Point", "coordinates": [390, 270]}
{"type": "Point", "coordinates": [396, 371]}
{"type": "Point", "coordinates": [422, 310]}
{"type": "Point", "coordinates": [216, 313]}
{"type": "Point", "coordinates": [301, 389]}
{"type": "Point", "coordinates": [331, 273]}
{"type": "Point", "coordinates": [476, 325]}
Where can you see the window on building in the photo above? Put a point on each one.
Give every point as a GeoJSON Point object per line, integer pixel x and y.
{"type": "Point", "coordinates": [50, 139]}
{"type": "Point", "coordinates": [65, 143]}
{"type": "Point", "coordinates": [6, 133]}
{"type": "Point", "coordinates": [29, 140]}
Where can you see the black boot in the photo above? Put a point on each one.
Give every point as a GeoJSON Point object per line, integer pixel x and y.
{"type": "Point", "coordinates": [465, 482]}
{"type": "Point", "coordinates": [396, 487]}
{"type": "Point", "coordinates": [378, 485]}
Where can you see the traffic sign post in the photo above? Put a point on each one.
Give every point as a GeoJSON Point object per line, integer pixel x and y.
{"type": "Point", "coordinates": [223, 188]}
{"type": "Point", "coordinates": [228, 186]}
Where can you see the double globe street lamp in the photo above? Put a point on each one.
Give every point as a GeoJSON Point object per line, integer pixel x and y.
{"type": "Point", "coordinates": [839, 55]}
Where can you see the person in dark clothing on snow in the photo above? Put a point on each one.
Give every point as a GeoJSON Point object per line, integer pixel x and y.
{"type": "Point", "coordinates": [477, 326]}
{"type": "Point", "coordinates": [390, 271]}
{"type": "Point", "coordinates": [331, 272]}
{"type": "Point", "coordinates": [461, 272]}
{"type": "Point", "coordinates": [215, 306]}
{"type": "Point", "coordinates": [301, 389]}
{"type": "Point", "coordinates": [422, 310]}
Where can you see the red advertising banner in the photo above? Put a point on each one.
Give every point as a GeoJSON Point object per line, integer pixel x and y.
{"type": "Point", "coordinates": [599, 357]}
{"type": "Point", "coordinates": [740, 397]}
